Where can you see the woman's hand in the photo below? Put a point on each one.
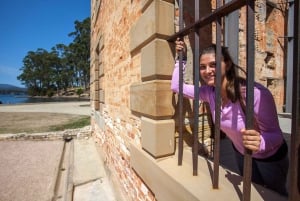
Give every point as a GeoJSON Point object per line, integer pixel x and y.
{"type": "Point", "coordinates": [180, 46]}
{"type": "Point", "coordinates": [251, 139]}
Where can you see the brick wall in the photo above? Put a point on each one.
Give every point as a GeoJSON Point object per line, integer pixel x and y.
{"type": "Point", "coordinates": [113, 124]}
{"type": "Point", "coordinates": [270, 27]}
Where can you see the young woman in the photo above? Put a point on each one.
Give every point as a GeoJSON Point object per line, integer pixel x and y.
{"type": "Point", "coordinates": [270, 161]}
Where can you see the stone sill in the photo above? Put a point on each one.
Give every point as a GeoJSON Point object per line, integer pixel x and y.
{"type": "Point", "coordinates": [170, 182]}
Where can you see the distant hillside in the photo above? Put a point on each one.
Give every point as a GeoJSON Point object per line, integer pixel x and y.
{"type": "Point", "coordinates": [11, 88]}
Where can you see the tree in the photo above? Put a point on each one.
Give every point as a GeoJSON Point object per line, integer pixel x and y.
{"type": "Point", "coordinates": [80, 51]}
{"type": "Point", "coordinates": [64, 66]}
{"type": "Point", "coordinates": [64, 72]}
{"type": "Point", "coordinates": [37, 71]}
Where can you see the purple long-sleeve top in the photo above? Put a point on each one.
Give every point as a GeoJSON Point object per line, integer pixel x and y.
{"type": "Point", "coordinates": [232, 118]}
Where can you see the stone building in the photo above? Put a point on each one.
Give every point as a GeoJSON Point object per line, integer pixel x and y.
{"type": "Point", "coordinates": [133, 106]}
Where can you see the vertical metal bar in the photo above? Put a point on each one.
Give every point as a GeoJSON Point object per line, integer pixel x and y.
{"type": "Point", "coordinates": [180, 97]}
{"type": "Point", "coordinates": [232, 40]}
{"type": "Point", "coordinates": [295, 137]}
{"type": "Point", "coordinates": [196, 92]}
{"type": "Point", "coordinates": [290, 49]}
{"type": "Point", "coordinates": [217, 101]}
{"type": "Point", "coordinates": [250, 96]}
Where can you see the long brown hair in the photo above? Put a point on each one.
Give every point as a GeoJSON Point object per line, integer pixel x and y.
{"type": "Point", "coordinates": [233, 80]}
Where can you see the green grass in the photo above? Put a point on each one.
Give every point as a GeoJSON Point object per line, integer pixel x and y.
{"type": "Point", "coordinates": [79, 123]}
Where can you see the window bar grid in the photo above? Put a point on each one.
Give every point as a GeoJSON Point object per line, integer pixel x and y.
{"type": "Point", "coordinates": [249, 97]}
{"type": "Point", "coordinates": [180, 96]}
{"type": "Point", "coordinates": [196, 92]}
{"type": "Point", "coordinates": [216, 16]}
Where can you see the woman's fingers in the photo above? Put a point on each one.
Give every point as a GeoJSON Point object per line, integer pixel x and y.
{"type": "Point", "coordinates": [251, 139]}
{"type": "Point", "coordinates": [180, 45]}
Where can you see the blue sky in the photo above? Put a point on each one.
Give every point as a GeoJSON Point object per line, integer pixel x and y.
{"type": "Point", "coordinates": [26, 25]}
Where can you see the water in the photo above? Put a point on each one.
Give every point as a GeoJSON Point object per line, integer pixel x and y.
{"type": "Point", "coordinates": [14, 99]}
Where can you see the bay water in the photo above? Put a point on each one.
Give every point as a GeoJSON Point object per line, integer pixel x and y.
{"type": "Point", "coordinates": [19, 99]}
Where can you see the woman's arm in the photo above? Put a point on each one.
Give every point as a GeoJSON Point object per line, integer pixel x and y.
{"type": "Point", "coordinates": [269, 135]}
{"type": "Point", "coordinates": [267, 120]}
{"type": "Point", "coordinates": [188, 89]}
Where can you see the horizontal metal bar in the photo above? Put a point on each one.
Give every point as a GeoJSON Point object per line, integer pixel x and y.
{"type": "Point", "coordinates": [218, 13]}
{"type": "Point", "coordinates": [286, 37]}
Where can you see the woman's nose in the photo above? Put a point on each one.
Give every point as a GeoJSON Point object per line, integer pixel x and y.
{"type": "Point", "coordinates": [208, 69]}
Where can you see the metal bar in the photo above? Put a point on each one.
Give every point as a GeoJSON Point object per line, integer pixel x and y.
{"type": "Point", "coordinates": [219, 12]}
{"type": "Point", "coordinates": [295, 136]}
{"type": "Point", "coordinates": [180, 96]}
{"type": "Point", "coordinates": [218, 59]}
{"type": "Point", "coordinates": [232, 40]}
{"type": "Point", "coordinates": [250, 96]}
{"type": "Point", "coordinates": [196, 92]}
{"type": "Point", "coordinates": [290, 49]}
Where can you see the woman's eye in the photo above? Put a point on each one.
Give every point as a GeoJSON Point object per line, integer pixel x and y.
{"type": "Point", "coordinates": [212, 65]}
{"type": "Point", "coordinates": [202, 67]}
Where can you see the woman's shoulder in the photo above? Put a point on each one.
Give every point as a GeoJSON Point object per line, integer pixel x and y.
{"type": "Point", "coordinates": [259, 90]}
{"type": "Point", "coordinates": [257, 86]}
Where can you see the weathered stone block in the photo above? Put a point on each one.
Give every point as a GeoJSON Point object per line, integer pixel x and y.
{"type": "Point", "coordinates": [101, 82]}
{"type": "Point", "coordinates": [101, 96]}
{"type": "Point", "coordinates": [101, 107]}
{"type": "Point", "coordinates": [96, 64]}
{"type": "Point", "coordinates": [95, 104]}
{"type": "Point", "coordinates": [101, 70]}
{"type": "Point", "coordinates": [158, 137]}
{"type": "Point", "coordinates": [93, 72]}
{"type": "Point", "coordinates": [100, 120]}
{"type": "Point", "coordinates": [145, 3]}
{"type": "Point", "coordinates": [95, 95]}
{"type": "Point", "coordinates": [96, 85]}
{"type": "Point", "coordinates": [157, 60]}
{"type": "Point", "coordinates": [152, 99]}
{"type": "Point", "coordinates": [156, 21]}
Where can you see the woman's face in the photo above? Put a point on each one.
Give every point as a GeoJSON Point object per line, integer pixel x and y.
{"type": "Point", "coordinates": [208, 68]}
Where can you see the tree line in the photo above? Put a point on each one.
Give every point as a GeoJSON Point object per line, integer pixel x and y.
{"type": "Point", "coordinates": [64, 66]}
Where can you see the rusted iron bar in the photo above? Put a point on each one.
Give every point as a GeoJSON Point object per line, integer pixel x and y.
{"type": "Point", "coordinates": [250, 96]}
{"type": "Point", "coordinates": [180, 96]}
{"type": "Point", "coordinates": [218, 13]}
{"type": "Point", "coordinates": [294, 186]}
{"type": "Point", "coordinates": [196, 92]}
{"type": "Point", "coordinates": [217, 100]}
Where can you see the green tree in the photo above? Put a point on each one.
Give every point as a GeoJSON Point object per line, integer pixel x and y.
{"type": "Point", "coordinates": [63, 71]}
{"type": "Point", "coordinates": [80, 52]}
{"type": "Point", "coordinates": [63, 67]}
{"type": "Point", "coordinates": [38, 72]}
